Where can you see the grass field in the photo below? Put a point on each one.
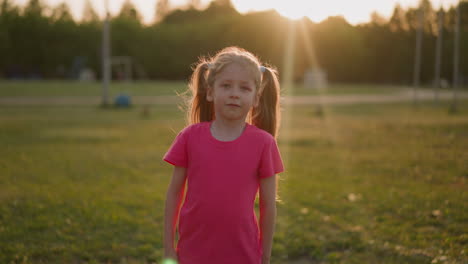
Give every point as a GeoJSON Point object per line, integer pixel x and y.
{"type": "Point", "coordinates": [66, 88]}
{"type": "Point", "coordinates": [363, 183]}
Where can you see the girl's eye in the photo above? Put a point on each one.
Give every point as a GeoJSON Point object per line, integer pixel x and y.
{"type": "Point", "coordinates": [246, 88]}
{"type": "Point", "coordinates": [226, 85]}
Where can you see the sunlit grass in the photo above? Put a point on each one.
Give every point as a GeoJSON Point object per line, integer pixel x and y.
{"type": "Point", "coordinates": [75, 88]}
{"type": "Point", "coordinates": [363, 184]}
{"type": "Point", "coordinates": [376, 184]}
{"type": "Point", "coordinates": [158, 88]}
{"type": "Point", "coordinates": [82, 183]}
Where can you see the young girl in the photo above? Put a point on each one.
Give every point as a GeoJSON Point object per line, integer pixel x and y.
{"type": "Point", "coordinates": [225, 161]}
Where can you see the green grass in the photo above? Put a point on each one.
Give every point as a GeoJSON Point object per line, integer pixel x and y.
{"type": "Point", "coordinates": [350, 89]}
{"type": "Point", "coordinates": [69, 88]}
{"type": "Point", "coordinates": [363, 184]}
{"type": "Point", "coordinates": [376, 184]}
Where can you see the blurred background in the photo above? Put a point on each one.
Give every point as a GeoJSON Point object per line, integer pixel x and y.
{"type": "Point", "coordinates": [374, 130]}
{"type": "Point", "coordinates": [63, 40]}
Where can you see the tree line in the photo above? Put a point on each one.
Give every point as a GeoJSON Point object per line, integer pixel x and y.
{"type": "Point", "coordinates": [39, 44]}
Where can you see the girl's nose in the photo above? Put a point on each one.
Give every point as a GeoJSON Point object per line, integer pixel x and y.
{"type": "Point", "coordinates": [234, 93]}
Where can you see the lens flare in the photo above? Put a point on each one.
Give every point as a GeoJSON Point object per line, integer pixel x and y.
{"type": "Point", "coordinates": [287, 87]}
{"type": "Point", "coordinates": [169, 261]}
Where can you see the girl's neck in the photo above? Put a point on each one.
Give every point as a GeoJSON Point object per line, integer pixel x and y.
{"type": "Point", "coordinates": [225, 130]}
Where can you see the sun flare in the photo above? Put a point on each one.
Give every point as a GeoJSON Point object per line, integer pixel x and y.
{"type": "Point", "coordinates": [315, 10]}
{"type": "Point", "coordinates": [294, 9]}
{"type": "Point", "coordinates": [356, 11]}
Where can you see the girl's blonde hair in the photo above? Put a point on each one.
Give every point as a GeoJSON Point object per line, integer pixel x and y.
{"type": "Point", "coordinates": [265, 116]}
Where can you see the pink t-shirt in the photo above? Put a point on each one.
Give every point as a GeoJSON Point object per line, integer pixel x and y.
{"type": "Point", "coordinates": [217, 222]}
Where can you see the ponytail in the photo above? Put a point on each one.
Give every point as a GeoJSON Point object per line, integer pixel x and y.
{"type": "Point", "coordinates": [200, 109]}
{"type": "Point", "coordinates": [267, 114]}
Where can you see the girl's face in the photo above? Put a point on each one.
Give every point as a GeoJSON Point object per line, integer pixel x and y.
{"type": "Point", "coordinates": [233, 93]}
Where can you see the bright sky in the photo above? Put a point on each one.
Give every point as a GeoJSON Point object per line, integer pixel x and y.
{"type": "Point", "coordinates": [355, 11]}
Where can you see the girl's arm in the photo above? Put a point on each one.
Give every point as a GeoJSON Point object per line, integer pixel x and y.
{"type": "Point", "coordinates": [267, 215]}
{"type": "Point", "coordinates": [174, 196]}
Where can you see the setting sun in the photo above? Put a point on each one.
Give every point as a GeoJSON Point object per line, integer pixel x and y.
{"type": "Point", "coordinates": [296, 9]}
{"type": "Point", "coordinates": [356, 11]}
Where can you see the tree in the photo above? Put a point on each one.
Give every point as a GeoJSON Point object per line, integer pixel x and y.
{"type": "Point", "coordinates": [7, 12]}
{"type": "Point", "coordinates": [129, 11]}
{"type": "Point", "coordinates": [34, 8]}
{"type": "Point", "coordinates": [62, 13]}
{"type": "Point", "coordinates": [6, 7]}
{"type": "Point", "coordinates": [223, 6]}
{"type": "Point", "coordinates": [30, 38]}
{"type": "Point", "coordinates": [398, 20]}
{"type": "Point", "coordinates": [339, 45]}
{"type": "Point", "coordinates": [162, 9]}
{"type": "Point", "coordinates": [195, 4]}
{"type": "Point", "coordinates": [223, 3]}
{"type": "Point", "coordinates": [9, 15]}
{"type": "Point", "coordinates": [89, 14]}
{"type": "Point", "coordinates": [34, 42]}
{"type": "Point", "coordinates": [430, 17]}
{"type": "Point", "coordinates": [377, 19]}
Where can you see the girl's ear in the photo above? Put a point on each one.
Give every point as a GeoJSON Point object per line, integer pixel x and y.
{"type": "Point", "coordinates": [209, 94]}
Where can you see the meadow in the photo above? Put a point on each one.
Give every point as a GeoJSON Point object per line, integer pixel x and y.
{"type": "Point", "coordinates": [148, 88]}
{"type": "Point", "coordinates": [364, 183]}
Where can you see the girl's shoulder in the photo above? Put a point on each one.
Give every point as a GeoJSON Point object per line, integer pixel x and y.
{"type": "Point", "coordinates": [194, 128]}
{"type": "Point", "coordinates": [260, 134]}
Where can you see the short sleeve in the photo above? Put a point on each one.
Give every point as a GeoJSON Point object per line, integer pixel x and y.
{"type": "Point", "coordinates": [270, 162]}
{"type": "Point", "coordinates": [177, 153]}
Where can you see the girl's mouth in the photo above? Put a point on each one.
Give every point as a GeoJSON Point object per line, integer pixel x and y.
{"type": "Point", "coordinates": [234, 105]}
